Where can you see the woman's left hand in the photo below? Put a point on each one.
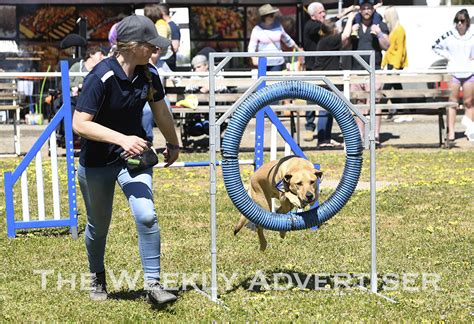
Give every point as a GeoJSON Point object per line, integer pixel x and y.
{"type": "Point", "coordinates": [171, 154]}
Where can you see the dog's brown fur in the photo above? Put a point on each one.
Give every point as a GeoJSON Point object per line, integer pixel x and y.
{"type": "Point", "coordinates": [300, 188]}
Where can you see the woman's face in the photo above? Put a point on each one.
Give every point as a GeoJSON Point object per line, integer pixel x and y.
{"type": "Point", "coordinates": [143, 53]}
{"type": "Point", "coordinates": [461, 24]}
{"type": "Point", "coordinates": [269, 19]}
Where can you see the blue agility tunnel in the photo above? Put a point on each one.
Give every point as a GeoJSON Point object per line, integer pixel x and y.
{"type": "Point", "coordinates": [230, 156]}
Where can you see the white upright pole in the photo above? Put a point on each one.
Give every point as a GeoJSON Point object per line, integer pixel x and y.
{"type": "Point", "coordinates": [373, 188]}
{"type": "Point", "coordinates": [212, 174]}
{"type": "Point", "coordinates": [40, 186]}
{"type": "Point", "coordinates": [24, 196]}
{"type": "Point", "coordinates": [273, 143]}
{"type": "Point", "coordinates": [54, 176]}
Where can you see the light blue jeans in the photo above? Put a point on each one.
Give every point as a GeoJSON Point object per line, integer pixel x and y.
{"type": "Point", "coordinates": [97, 187]}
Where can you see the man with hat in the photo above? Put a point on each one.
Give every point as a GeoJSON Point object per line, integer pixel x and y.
{"type": "Point", "coordinates": [108, 119]}
{"type": "Point", "coordinates": [370, 36]}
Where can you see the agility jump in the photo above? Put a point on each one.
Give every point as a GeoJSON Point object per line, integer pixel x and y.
{"type": "Point", "coordinates": [247, 106]}
{"type": "Point", "coordinates": [230, 155]}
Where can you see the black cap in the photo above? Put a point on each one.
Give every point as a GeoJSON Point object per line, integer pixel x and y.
{"type": "Point", "coordinates": [140, 29]}
{"type": "Point", "coordinates": [361, 2]}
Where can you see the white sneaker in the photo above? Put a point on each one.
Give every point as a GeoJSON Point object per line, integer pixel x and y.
{"type": "Point", "coordinates": [469, 124]}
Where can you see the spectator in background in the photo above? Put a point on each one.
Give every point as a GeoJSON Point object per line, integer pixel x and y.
{"type": "Point", "coordinates": [93, 56]}
{"type": "Point", "coordinates": [199, 123]}
{"type": "Point", "coordinates": [331, 40]}
{"type": "Point", "coordinates": [267, 36]}
{"type": "Point", "coordinates": [396, 55]}
{"type": "Point", "coordinates": [311, 36]}
{"type": "Point", "coordinates": [457, 46]}
{"type": "Point", "coordinates": [175, 35]}
{"type": "Point", "coordinates": [147, 115]}
{"type": "Point", "coordinates": [377, 19]}
{"type": "Point", "coordinates": [155, 14]}
{"type": "Point", "coordinates": [374, 37]}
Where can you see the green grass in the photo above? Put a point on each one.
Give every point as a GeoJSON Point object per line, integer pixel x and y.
{"type": "Point", "coordinates": [424, 223]}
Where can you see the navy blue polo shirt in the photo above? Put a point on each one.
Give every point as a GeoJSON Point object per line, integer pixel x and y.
{"type": "Point", "coordinates": [117, 103]}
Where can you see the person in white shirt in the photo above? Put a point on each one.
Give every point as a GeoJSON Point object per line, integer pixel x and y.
{"type": "Point", "coordinates": [457, 46]}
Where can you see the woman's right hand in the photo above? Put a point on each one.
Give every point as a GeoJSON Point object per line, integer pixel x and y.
{"type": "Point", "coordinates": [133, 145]}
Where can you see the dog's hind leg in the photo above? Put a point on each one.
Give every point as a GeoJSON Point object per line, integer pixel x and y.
{"type": "Point", "coordinates": [241, 223]}
{"type": "Point", "coordinates": [261, 238]}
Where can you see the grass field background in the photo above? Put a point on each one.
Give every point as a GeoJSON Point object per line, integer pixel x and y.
{"type": "Point", "coordinates": [424, 223]}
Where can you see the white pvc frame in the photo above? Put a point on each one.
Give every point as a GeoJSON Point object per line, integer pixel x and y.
{"type": "Point", "coordinates": [214, 144]}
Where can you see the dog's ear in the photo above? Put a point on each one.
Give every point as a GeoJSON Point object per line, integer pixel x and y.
{"type": "Point", "coordinates": [286, 181]}
{"type": "Point", "coordinates": [319, 174]}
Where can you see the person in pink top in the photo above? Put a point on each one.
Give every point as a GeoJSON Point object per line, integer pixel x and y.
{"type": "Point", "coordinates": [267, 36]}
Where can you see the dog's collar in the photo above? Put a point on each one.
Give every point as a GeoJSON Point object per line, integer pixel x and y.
{"type": "Point", "coordinates": [280, 186]}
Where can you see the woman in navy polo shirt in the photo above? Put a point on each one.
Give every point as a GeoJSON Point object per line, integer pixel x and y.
{"type": "Point", "coordinates": [108, 118]}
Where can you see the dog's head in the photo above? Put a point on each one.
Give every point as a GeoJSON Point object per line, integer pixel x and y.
{"type": "Point", "coordinates": [302, 182]}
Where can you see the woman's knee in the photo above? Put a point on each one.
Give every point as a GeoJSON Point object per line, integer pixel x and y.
{"type": "Point", "coordinates": [147, 219]}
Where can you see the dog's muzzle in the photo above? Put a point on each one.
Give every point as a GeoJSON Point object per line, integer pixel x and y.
{"type": "Point", "coordinates": [310, 198]}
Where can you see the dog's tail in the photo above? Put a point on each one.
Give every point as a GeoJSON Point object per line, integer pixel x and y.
{"type": "Point", "coordinates": [242, 221]}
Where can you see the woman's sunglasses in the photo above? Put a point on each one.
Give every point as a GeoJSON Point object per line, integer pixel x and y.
{"type": "Point", "coordinates": [462, 21]}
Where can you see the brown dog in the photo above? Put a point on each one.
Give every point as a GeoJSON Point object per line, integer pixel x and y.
{"type": "Point", "coordinates": [292, 180]}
